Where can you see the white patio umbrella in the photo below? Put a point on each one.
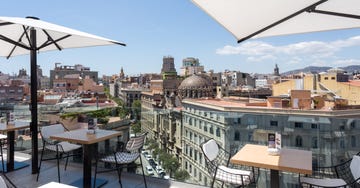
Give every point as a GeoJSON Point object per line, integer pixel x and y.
{"type": "Point", "coordinates": [258, 18]}
{"type": "Point", "coordinates": [19, 36]}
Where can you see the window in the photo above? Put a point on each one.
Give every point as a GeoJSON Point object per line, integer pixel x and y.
{"type": "Point", "coordinates": [274, 123]}
{"type": "Point", "coordinates": [352, 124]}
{"type": "Point", "coordinates": [332, 78]}
{"type": "Point", "coordinates": [211, 130]}
{"type": "Point", "coordinates": [237, 136]}
{"type": "Point", "coordinates": [342, 127]}
{"type": "Point", "coordinates": [218, 132]}
{"type": "Point", "coordinates": [326, 78]}
{"type": "Point", "coordinates": [314, 142]}
{"type": "Point", "coordinates": [298, 125]}
{"type": "Point", "coordinates": [353, 141]}
{"type": "Point", "coordinates": [250, 137]}
{"type": "Point", "coordinates": [205, 128]}
{"type": "Point", "coordinates": [342, 143]}
{"type": "Point", "coordinates": [298, 141]}
{"type": "Point", "coordinates": [314, 126]}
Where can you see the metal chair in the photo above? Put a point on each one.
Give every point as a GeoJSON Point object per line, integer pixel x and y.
{"type": "Point", "coordinates": [61, 149]}
{"type": "Point", "coordinates": [346, 174]}
{"type": "Point", "coordinates": [123, 159]}
{"type": "Point", "coordinates": [2, 139]}
{"type": "Point", "coordinates": [217, 162]}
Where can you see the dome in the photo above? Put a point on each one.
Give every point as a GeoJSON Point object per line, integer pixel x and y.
{"type": "Point", "coordinates": [194, 81]}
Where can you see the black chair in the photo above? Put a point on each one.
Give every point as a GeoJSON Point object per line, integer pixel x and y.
{"type": "Point", "coordinates": [123, 159]}
{"type": "Point", "coordinates": [346, 174]}
{"type": "Point", "coordinates": [217, 162]}
{"type": "Point", "coordinates": [61, 149]}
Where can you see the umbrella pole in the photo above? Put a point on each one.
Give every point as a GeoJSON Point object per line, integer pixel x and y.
{"type": "Point", "coordinates": [34, 118]}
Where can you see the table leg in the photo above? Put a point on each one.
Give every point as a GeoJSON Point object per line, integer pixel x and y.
{"type": "Point", "coordinates": [87, 165]}
{"type": "Point", "coordinates": [10, 151]}
{"type": "Point", "coordinates": [274, 179]}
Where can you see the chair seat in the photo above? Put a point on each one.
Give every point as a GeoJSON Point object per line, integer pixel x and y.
{"type": "Point", "coordinates": [66, 146]}
{"type": "Point", "coordinates": [121, 158]}
{"type": "Point", "coordinates": [234, 176]}
{"type": "Point", "coordinates": [328, 182]}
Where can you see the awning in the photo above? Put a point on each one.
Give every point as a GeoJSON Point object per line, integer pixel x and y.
{"type": "Point", "coordinates": [321, 120]}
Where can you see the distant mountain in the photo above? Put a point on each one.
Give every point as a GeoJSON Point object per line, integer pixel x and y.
{"type": "Point", "coordinates": [314, 69]}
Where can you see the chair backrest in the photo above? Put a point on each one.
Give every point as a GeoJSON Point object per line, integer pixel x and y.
{"type": "Point", "coordinates": [355, 167]}
{"type": "Point", "coordinates": [136, 143]}
{"type": "Point", "coordinates": [47, 131]}
{"type": "Point", "coordinates": [210, 149]}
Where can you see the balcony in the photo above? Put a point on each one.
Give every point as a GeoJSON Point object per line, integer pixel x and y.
{"type": "Point", "coordinates": [22, 178]}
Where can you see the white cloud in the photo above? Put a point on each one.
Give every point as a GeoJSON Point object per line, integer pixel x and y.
{"type": "Point", "coordinates": [258, 50]}
{"type": "Point", "coordinates": [261, 58]}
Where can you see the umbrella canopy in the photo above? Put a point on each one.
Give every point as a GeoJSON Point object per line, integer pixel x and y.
{"type": "Point", "coordinates": [20, 36]}
{"type": "Point", "coordinates": [258, 18]}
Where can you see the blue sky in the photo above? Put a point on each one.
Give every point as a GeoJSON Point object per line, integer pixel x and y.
{"type": "Point", "coordinates": [157, 28]}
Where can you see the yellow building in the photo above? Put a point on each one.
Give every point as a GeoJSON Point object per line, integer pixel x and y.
{"type": "Point", "coordinates": [334, 83]}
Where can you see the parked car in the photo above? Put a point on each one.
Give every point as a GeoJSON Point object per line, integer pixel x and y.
{"type": "Point", "coordinates": [158, 169]}
{"type": "Point", "coordinates": [148, 157]}
{"type": "Point", "coordinates": [149, 170]}
{"type": "Point", "coordinates": [161, 174]}
{"type": "Point", "coordinates": [145, 153]}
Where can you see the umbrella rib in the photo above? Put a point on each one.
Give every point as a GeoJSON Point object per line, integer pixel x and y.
{"type": "Point", "coordinates": [52, 40]}
{"type": "Point", "coordinates": [6, 23]}
{"type": "Point", "coordinates": [13, 49]}
{"type": "Point", "coordinates": [310, 7]}
{"type": "Point", "coordinates": [335, 14]}
{"type": "Point", "coordinates": [6, 39]}
{"type": "Point", "coordinates": [47, 43]}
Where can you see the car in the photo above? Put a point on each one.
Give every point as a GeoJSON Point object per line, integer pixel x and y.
{"type": "Point", "coordinates": [158, 169]}
{"type": "Point", "coordinates": [149, 170]}
{"type": "Point", "coordinates": [148, 157]}
{"type": "Point", "coordinates": [161, 174]}
{"type": "Point", "coordinates": [144, 153]}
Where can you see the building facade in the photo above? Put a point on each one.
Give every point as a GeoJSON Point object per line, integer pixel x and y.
{"type": "Point", "coordinates": [332, 136]}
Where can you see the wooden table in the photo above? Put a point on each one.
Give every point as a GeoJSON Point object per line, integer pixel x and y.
{"type": "Point", "coordinates": [80, 136]}
{"type": "Point", "coordinates": [290, 160]}
{"type": "Point", "coordinates": [10, 130]}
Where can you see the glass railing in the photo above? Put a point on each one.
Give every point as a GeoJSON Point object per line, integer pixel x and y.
{"type": "Point", "coordinates": [332, 138]}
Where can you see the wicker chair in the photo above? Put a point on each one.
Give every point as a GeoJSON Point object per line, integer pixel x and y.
{"type": "Point", "coordinates": [217, 163]}
{"type": "Point", "coordinates": [61, 149]}
{"type": "Point", "coordinates": [346, 174]}
{"type": "Point", "coordinates": [123, 159]}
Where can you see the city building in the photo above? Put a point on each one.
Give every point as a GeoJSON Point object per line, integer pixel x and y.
{"type": "Point", "coordinates": [331, 135]}
{"type": "Point", "coordinates": [334, 83]}
{"type": "Point", "coordinates": [60, 72]}
{"type": "Point", "coordinates": [191, 66]}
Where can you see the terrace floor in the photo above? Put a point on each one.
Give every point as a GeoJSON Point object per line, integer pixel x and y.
{"type": "Point", "coordinates": [23, 178]}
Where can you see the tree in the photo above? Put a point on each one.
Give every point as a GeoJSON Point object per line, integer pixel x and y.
{"type": "Point", "coordinates": [171, 165]}
{"type": "Point", "coordinates": [136, 109]}
{"type": "Point", "coordinates": [181, 175]}
{"type": "Point", "coordinates": [136, 127]}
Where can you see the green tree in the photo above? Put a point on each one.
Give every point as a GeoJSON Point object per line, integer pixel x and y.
{"type": "Point", "coordinates": [136, 127]}
{"type": "Point", "coordinates": [136, 109]}
{"type": "Point", "coordinates": [171, 165]}
{"type": "Point", "coordinates": [181, 175]}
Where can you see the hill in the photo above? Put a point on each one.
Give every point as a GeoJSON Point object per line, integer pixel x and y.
{"type": "Point", "coordinates": [314, 69]}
